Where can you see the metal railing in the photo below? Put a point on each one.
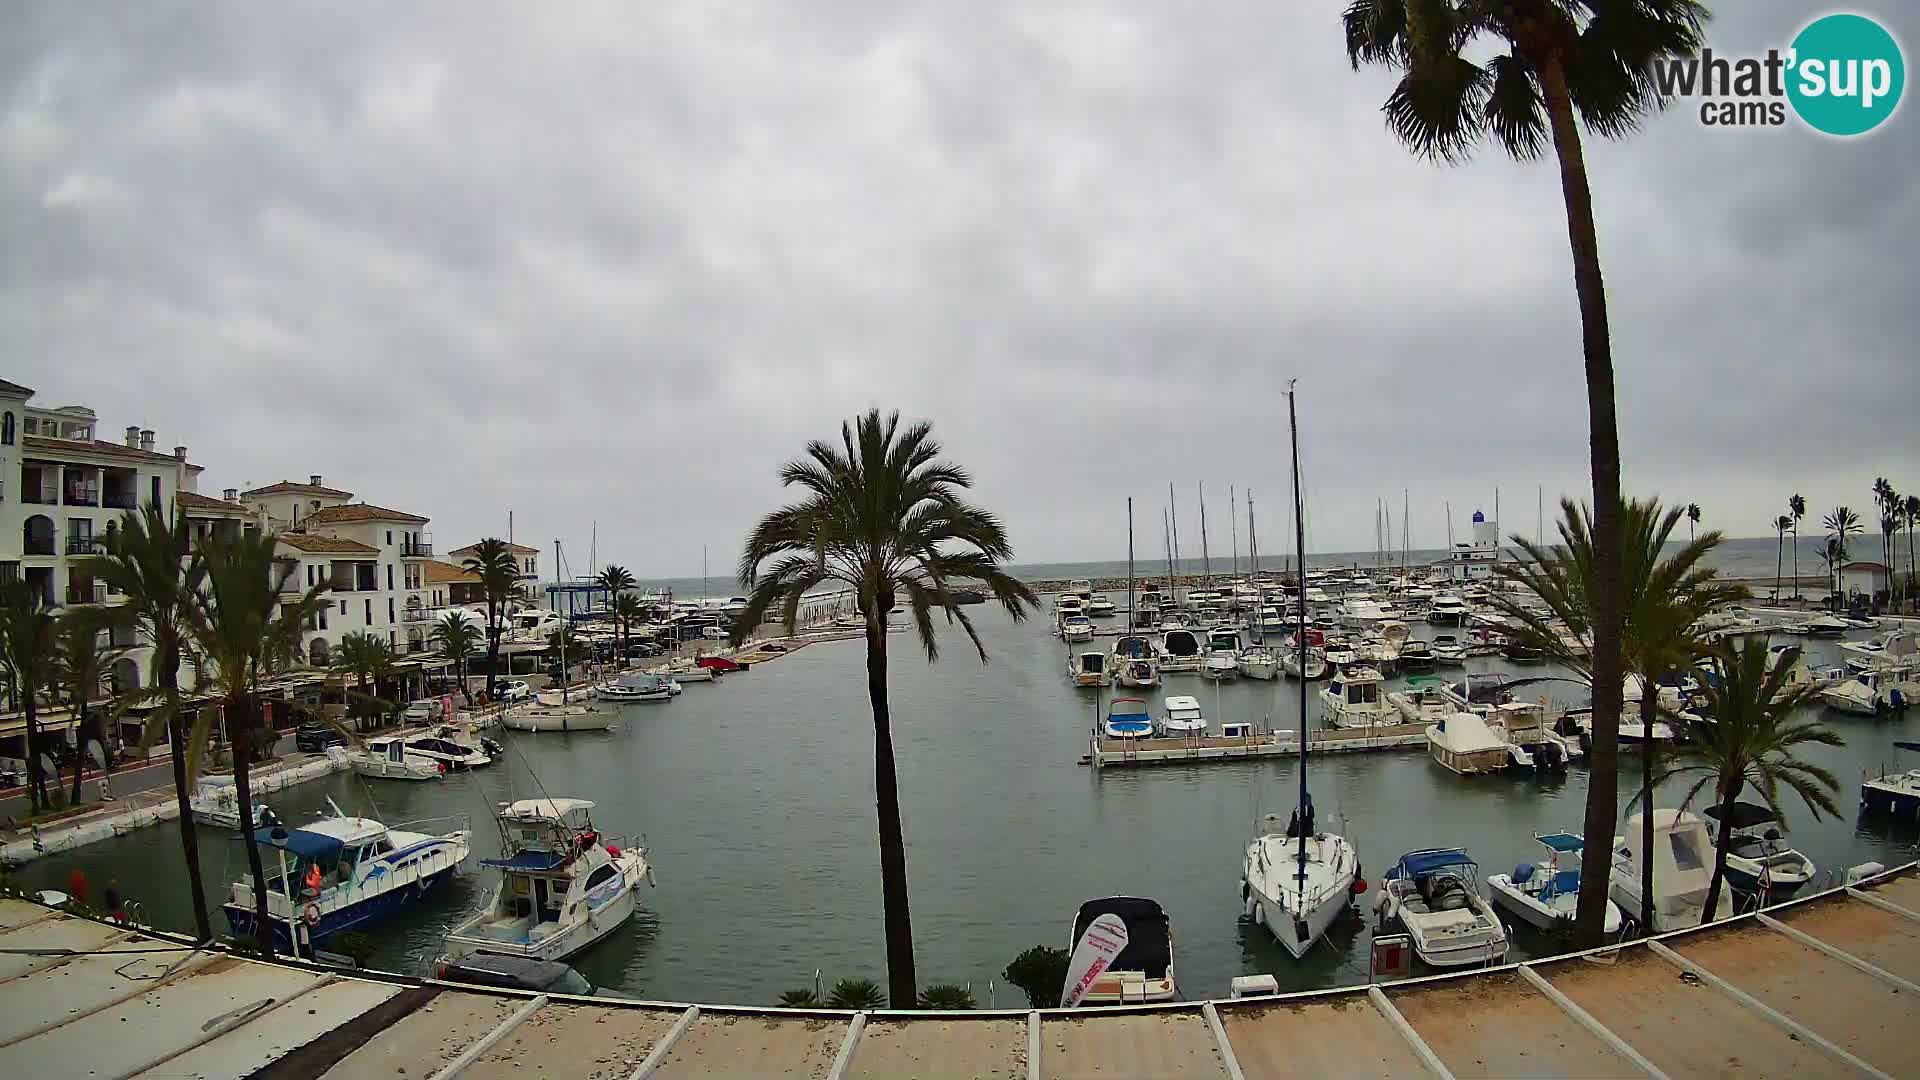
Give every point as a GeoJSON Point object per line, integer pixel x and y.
{"type": "Point", "coordinates": [85, 544]}
{"type": "Point", "coordinates": [43, 497]}
{"type": "Point", "coordinates": [87, 496]}
{"type": "Point", "coordinates": [94, 593]}
{"type": "Point", "coordinates": [121, 500]}
{"type": "Point", "coordinates": [414, 614]}
{"type": "Point", "coordinates": [417, 549]}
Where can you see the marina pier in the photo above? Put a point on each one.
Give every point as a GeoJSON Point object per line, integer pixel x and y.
{"type": "Point", "coordinates": [1106, 752]}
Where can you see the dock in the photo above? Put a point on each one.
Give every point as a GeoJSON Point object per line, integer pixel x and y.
{"type": "Point", "coordinates": [1820, 986]}
{"type": "Point", "coordinates": [1108, 753]}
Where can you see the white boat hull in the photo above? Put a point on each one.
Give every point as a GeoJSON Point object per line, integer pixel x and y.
{"type": "Point", "coordinates": [1272, 903]}
{"type": "Point", "coordinates": [1543, 915]}
{"type": "Point", "coordinates": [411, 769]}
{"type": "Point", "coordinates": [563, 944]}
{"type": "Point", "coordinates": [1259, 669]}
{"type": "Point", "coordinates": [561, 719]}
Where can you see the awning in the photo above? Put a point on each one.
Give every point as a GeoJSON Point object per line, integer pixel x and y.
{"type": "Point", "coordinates": [529, 860]}
{"type": "Point", "coordinates": [1421, 863]}
{"type": "Point", "coordinates": [1562, 842]}
{"type": "Point", "coordinates": [308, 845]}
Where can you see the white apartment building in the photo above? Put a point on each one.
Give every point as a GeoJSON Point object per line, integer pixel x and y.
{"type": "Point", "coordinates": [527, 558]}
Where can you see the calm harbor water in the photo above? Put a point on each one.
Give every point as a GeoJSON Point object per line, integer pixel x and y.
{"type": "Point", "coordinates": [755, 796]}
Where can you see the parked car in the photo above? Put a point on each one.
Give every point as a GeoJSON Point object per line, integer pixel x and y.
{"type": "Point", "coordinates": [313, 738]}
{"type": "Point", "coordinates": [514, 973]}
{"type": "Point", "coordinates": [512, 690]}
{"type": "Point", "coordinates": [421, 711]}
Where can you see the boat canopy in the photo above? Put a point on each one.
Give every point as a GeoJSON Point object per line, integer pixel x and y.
{"type": "Point", "coordinates": [1149, 946]}
{"type": "Point", "coordinates": [1562, 842]}
{"type": "Point", "coordinates": [1746, 815]}
{"type": "Point", "coordinates": [531, 859]}
{"type": "Point", "coordinates": [544, 809]}
{"type": "Point", "coordinates": [305, 843]}
{"type": "Point", "coordinates": [1418, 864]}
{"type": "Point", "coordinates": [1915, 746]}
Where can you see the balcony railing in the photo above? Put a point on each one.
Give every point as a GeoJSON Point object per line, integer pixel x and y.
{"type": "Point", "coordinates": [414, 614]}
{"type": "Point", "coordinates": [87, 496]}
{"type": "Point", "coordinates": [417, 549]}
{"type": "Point", "coordinates": [83, 545]}
{"type": "Point", "coordinates": [42, 497]}
{"type": "Point", "coordinates": [94, 593]}
{"type": "Point", "coordinates": [121, 500]}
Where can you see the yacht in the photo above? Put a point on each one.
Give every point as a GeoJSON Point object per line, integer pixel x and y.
{"type": "Point", "coordinates": [636, 687]}
{"type": "Point", "coordinates": [1142, 971]}
{"type": "Point", "coordinates": [1271, 622]}
{"type": "Point", "coordinates": [1339, 654]}
{"type": "Point", "coordinates": [1182, 717]}
{"type": "Point", "coordinates": [1180, 651]}
{"type": "Point", "coordinates": [387, 758]}
{"type": "Point", "coordinates": [1223, 653]}
{"type": "Point", "coordinates": [1416, 654]}
{"type": "Point", "coordinates": [1138, 674]}
{"type": "Point", "coordinates": [1136, 662]}
{"type": "Point", "coordinates": [1827, 626]}
{"type": "Point", "coordinates": [1759, 861]}
{"type": "Point", "coordinates": [1480, 691]}
{"type": "Point", "coordinates": [1100, 607]}
{"type": "Point", "coordinates": [530, 628]}
{"type": "Point", "coordinates": [1530, 741]}
{"type": "Point", "coordinates": [1298, 880]}
{"type": "Point", "coordinates": [1422, 700]}
{"type": "Point", "coordinates": [1465, 745]}
{"type": "Point", "coordinates": [1435, 895]}
{"type": "Point", "coordinates": [1872, 693]}
{"type": "Point", "coordinates": [1127, 718]}
{"type": "Point", "coordinates": [1361, 612]}
{"type": "Point", "coordinates": [563, 885]}
{"type": "Point", "coordinates": [1089, 668]}
{"type": "Point", "coordinates": [1316, 662]}
{"type": "Point", "coordinates": [1544, 895]}
{"type": "Point", "coordinates": [456, 745]}
{"type": "Point", "coordinates": [1258, 662]}
{"type": "Point", "coordinates": [1682, 870]}
{"type": "Point", "coordinates": [1080, 589]}
{"type": "Point", "coordinates": [684, 669]}
{"type": "Point", "coordinates": [1353, 698]}
{"type": "Point", "coordinates": [1448, 650]}
{"type": "Point", "coordinates": [215, 801]}
{"type": "Point", "coordinates": [1447, 610]}
{"type": "Point", "coordinates": [1067, 606]}
{"type": "Point", "coordinates": [562, 717]}
{"type": "Point", "coordinates": [342, 873]}
{"type": "Point", "coordinates": [1076, 628]}
{"type": "Point", "coordinates": [1897, 794]}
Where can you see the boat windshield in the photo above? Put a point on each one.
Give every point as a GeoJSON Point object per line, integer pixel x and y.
{"type": "Point", "coordinates": [1364, 692]}
{"type": "Point", "coordinates": [1686, 854]}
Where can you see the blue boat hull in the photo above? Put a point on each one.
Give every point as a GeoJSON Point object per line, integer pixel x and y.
{"type": "Point", "coordinates": [355, 917]}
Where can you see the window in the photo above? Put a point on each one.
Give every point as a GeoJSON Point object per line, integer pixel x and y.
{"type": "Point", "coordinates": [389, 570]}
{"type": "Point", "coordinates": [392, 639]}
{"type": "Point", "coordinates": [156, 490]}
{"type": "Point", "coordinates": [1685, 856]}
{"type": "Point", "coordinates": [389, 537]}
{"type": "Point", "coordinates": [600, 876]}
{"type": "Point", "coordinates": [6, 430]}
{"type": "Point", "coordinates": [343, 607]}
{"type": "Point", "coordinates": [369, 604]}
{"type": "Point", "coordinates": [389, 603]}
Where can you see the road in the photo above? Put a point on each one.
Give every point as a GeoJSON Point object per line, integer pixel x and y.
{"type": "Point", "coordinates": [127, 780]}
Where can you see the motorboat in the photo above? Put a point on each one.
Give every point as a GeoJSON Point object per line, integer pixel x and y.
{"type": "Point", "coordinates": [1435, 895]}
{"type": "Point", "coordinates": [1873, 693]}
{"type": "Point", "coordinates": [1632, 730]}
{"type": "Point", "coordinates": [1076, 628]}
{"type": "Point", "coordinates": [1089, 668]}
{"type": "Point", "coordinates": [1416, 654]}
{"type": "Point", "coordinates": [1422, 701]}
{"type": "Point", "coordinates": [636, 687]}
{"type": "Point", "coordinates": [719, 665]}
{"type": "Point", "coordinates": [541, 716]}
{"type": "Point", "coordinates": [1100, 607]}
{"type": "Point", "coordinates": [1682, 870]}
{"type": "Point", "coordinates": [1360, 612]}
{"type": "Point", "coordinates": [1339, 654]}
{"type": "Point", "coordinates": [1297, 880]}
{"type": "Point", "coordinates": [1759, 860]}
{"type": "Point", "coordinates": [1826, 626]}
{"type": "Point", "coordinates": [1271, 622]}
{"type": "Point", "coordinates": [1142, 971]}
{"type": "Point", "coordinates": [1182, 717]}
{"type": "Point", "coordinates": [1258, 662]}
{"type": "Point", "coordinates": [1079, 588]}
{"type": "Point", "coordinates": [1447, 610]}
{"type": "Point", "coordinates": [387, 758]}
{"type": "Point", "coordinates": [1223, 653]}
{"type": "Point", "coordinates": [1897, 794]}
{"type": "Point", "coordinates": [1480, 691]}
{"type": "Point", "coordinates": [215, 801]}
{"type": "Point", "coordinates": [343, 873]}
{"type": "Point", "coordinates": [563, 886]}
{"type": "Point", "coordinates": [1317, 666]}
{"type": "Point", "coordinates": [1803, 674]}
{"type": "Point", "coordinates": [1448, 650]}
{"type": "Point", "coordinates": [687, 670]}
{"type": "Point", "coordinates": [1546, 894]}
{"type": "Point", "coordinates": [1521, 651]}
{"type": "Point", "coordinates": [1353, 698]}
{"type": "Point", "coordinates": [1465, 745]}
{"type": "Point", "coordinates": [1180, 651]}
{"type": "Point", "coordinates": [1530, 741]}
{"type": "Point", "coordinates": [1127, 718]}
{"type": "Point", "coordinates": [1067, 606]}
{"type": "Point", "coordinates": [453, 745]}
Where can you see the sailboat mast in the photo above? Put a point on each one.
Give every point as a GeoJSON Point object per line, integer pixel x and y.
{"type": "Point", "coordinates": [563, 628]}
{"type": "Point", "coordinates": [1206, 562]}
{"type": "Point", "coordinates": [1233, 527]}
{"type": "Point", "coordinates": [1253, 539]}
{"type": "Point", "coordinates": [1406, 529]}
{"type": "Point", "coordinates": [1130, 601]}
{"type": "Point", "coordinates": [1300, 637]}
{"type": "Point", "coordinates": [1173, 516]}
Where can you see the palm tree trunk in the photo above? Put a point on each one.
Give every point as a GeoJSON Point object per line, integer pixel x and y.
{"type": "Point", "coordinates": [80, 734]}
{"type": "Point", "coordinates": [240, 722]}
{"type": "Point", "coordinates": [1779, 546]}
{"type": "Point", "coordinates": [1604, 780]}
{"type": "Point", "coordinates": [1720, 851]}
{"type": "Point", "coordinates": [36, 780]}
{"type": "Point", "coordinates": [493, 650]}
{"type": "Point", "coordinates": [169, 679]}
{"type": "Point", "coordinates": [1649, 711]}
{"type": "Point", "coordinates": [886, 793]}
{"type": "Point", "coordinates": [1796, 558]}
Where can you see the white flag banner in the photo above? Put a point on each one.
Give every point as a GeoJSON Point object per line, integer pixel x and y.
{"type": "Point", "coordinates": [1103, 940]}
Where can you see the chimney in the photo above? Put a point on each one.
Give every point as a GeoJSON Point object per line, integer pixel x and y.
{"type": "Point", "coordinates": [232, 495]}
{"type": "Point", "coordinates": [314, 479]}
{"type": "Point", "coordinates": [179, 452]}
{"type": "Point", "coordinates": [133, 435]}
{"type": "Point", "coordinates": [146, 439]}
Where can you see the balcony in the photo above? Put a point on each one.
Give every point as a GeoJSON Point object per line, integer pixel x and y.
{"type": "Point", "coordinates": [83, 545]}
{"type": "Point", "coordinates": [121, 500]}
{"type": "Point", "coordinates": [93, 592]}
{"type": "Point", "coordinates": [39, 497]}
{"type": "Point", "coordinates": [82, 496]}
{"type": "Point", "coordinates": [417, 549]}
{"type": "Point", "coordinates": [415, 615]}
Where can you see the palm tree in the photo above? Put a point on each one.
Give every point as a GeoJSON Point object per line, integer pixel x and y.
{"type": "Point", "coordinates": [144, 563]}
{"type": "Point", "coordinates": [1693, 519]}
{"type": "Point", "coordinates": [881, 516]}
{"type": "Point", "coordinates": [1840, 524]}
{"type": "Point", "coordinates": [628, 609]}
{"type": "Point", "coordinates": [1912, 510]}
{"type": "Point", "coordinates": [616, 580]}
{"type": "Point", "coordinates": [27, 647]}
{"type": "Point", "coordinates": [1797, 506]}
{"type": "Point", "coordinates": [1780, 526]}
{"type": "Point", "coordinates": [1746, 736]}
{"type": "Point", "coordinates": [366, 658]}
{"type": "Point", "coordinates": [1889, 523]}
{"type": "Point", "coordinates": [79, 662]}
{"type": "Point", "coordinates": [1834, 556]}
{"type": "Point", "coordinates": [242, 625]}
{"type": "Point", "coordinates": [1664, 601]}
{"type": "Point", "coordinates": [1556, 65]}
{"type": "Point", "coordinates": [499, 573]}
{"type": "Point", "coordinates": [457, 637]}
{"type": "Point", "coordinates": [1884, 500]}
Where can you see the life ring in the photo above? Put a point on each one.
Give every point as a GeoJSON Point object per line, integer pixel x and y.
{"type": "Point", "coordinates": [310, 914]}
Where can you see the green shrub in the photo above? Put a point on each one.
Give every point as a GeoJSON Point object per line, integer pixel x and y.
{"type": "Point", "coordinates": [1039, 972]}
{"type": "Point", "coordinates": [947, 996]}
{"type": "Point", "coordinates": [859, 994]}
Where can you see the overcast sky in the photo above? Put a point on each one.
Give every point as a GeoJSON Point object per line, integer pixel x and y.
{"type": "Point", "coordinates": [614, 262]}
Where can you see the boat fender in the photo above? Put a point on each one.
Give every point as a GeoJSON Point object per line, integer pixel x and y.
{"type": "Point", "coordinates": [1359, 885]}
{"type": "Point", "coordinates": [310, 914]}
{"type": "Point", "coordinates": [613, 851]}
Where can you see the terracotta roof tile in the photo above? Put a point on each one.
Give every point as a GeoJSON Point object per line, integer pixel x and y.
{"type": "Point", "coordinates": [445, 573]}
{"type": "Point", "coordinates": [193, 500]}
{"type": "Point", "coordinates": [325, 545]}
{"type": "Point", "coordinates": [330, 515]}
{"type": "Point", "coordinates": [517, 549]}
{"type": "Point", "coordinates": [288, 487]}
{"type": "Point", "coordinates": [106, 449]}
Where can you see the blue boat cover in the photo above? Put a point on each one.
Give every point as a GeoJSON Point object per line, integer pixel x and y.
{"type": "Point", "coordinates": [529, 860]}
{"type": "Point", "coordinates": [1565, 882]}
{"type": "Point", "coordinates": [1562, 842]}
{"type": "Point", "coordinates": [308, 845]}
{"type": "Point", "coordinates": [1419, 864]}
{"type": "Point", "coordinates": [1908, 745]}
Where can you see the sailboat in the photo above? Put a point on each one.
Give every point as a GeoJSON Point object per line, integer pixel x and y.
{"type": "Point", "coordinates": [1298, 879]}
{"type": "Point", "coordinates": [555, 712]}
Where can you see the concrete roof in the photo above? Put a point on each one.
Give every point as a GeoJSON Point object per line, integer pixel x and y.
{"type": "Point", "coordinates": [1822, 986]}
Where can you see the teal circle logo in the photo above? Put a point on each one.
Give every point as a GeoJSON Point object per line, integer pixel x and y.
{"type": "Point", "coordinates": [1847, 74]}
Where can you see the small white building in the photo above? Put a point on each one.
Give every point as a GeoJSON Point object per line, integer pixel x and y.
{"type": "Point", "coordinates": [1864, 578]}
{"type": "Point", "coordinates": [372, 561]}
{"type": "Point", "coordinates": [527, 558]}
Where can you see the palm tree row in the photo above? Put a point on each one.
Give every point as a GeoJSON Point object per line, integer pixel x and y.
{"type": "Point", "coordinates": [499, 572]}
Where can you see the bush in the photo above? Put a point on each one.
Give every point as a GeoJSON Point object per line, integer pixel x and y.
{"type": "Point", "coordinates": [861, 994]}
{"type": "Point", "coordinates": [948, 996]}
{"type": "Point", "coordinates": [1039, 973]}
{"type": "Point", "coordinates": [799, 999]}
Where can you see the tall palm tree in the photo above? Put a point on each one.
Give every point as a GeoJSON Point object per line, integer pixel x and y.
{"type": "Point", "coordinates": [27, 646]}
{"type": "Point", "coordinates": [1664, 599]}
{"type": "Point", "coordinates": [242, 625]}
{"type": "Point", "coordinates": [616, 580]}
{"type": "Point", "coordinates": [499, 574]}
{"type": "Point", "coordinates": [1884, 499]}
{"type": "Point", "coordinates": [1780, 526]}
{"type": "Point", "coordinates": [149, 561]}
{"type": "Point", "coordinates": [80, 660]}
{"type": "Point", "coordinates": [1840, 524]}
{"type": "Point", "coordinates": [884, 516]}
{"type": "Point", "coordinates": [1556, 65]}
{"type": "Point", "coordinates": [1693, 519]}
{"type": "Point", "coordinates": [457, 638]}
{"type": "Point", "coordinates": [1889, 524]}
{"type": "Point", "coordinates": [1797, 506]}
{"type": "Point", "coordinates": [1746, 736]}
{"type": "Point", "coordinates": [366, 658]}
{"type": "Point", "coordinates": [628, 609]}
{"type": "Point", "coordinates": [1912, 510]}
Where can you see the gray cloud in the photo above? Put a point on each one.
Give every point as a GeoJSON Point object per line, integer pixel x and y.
{"type": "Point", "coordinates": [613, 263]}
